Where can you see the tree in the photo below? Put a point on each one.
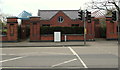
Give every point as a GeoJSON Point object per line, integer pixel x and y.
{"type": "Point", "coordinates": [104, 5]}
{"type": "Point", "coordinates": [3, 17]}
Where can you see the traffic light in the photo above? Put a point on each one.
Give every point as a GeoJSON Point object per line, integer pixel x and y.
{"type": "Point", "coordinates": [80, 15]}
{"type": "Point", "coordinates": [114, 15]}
{"type": "Point", "coordinates": [88, 15]}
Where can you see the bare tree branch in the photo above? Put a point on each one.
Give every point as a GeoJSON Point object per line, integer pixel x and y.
{"type": "Point", "coordinates": [105, 5]}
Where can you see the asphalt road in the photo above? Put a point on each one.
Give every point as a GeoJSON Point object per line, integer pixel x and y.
{"type": "Point", "coordinates": [101, 54]}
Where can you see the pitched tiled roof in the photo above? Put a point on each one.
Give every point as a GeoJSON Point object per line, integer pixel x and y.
{"type": "Point", "coordinates": [48, 14]}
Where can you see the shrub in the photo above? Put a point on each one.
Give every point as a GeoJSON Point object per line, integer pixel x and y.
{"type": "Point", "coordinates": [64, 30]}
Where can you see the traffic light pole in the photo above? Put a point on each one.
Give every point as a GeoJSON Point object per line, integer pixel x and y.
{"type": "Point", "coordinates": [84, 27]}
{"type": "Point", "coordinates": [82, 18]}
{"type": "Point", "coordinates": [119, 23]}
{"type": "Point", "coordinates": [118, 27]}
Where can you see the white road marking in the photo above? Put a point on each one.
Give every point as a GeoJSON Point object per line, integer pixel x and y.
{"type": "Point", "coordinates": [33, 67]}
{"type": "Point", "coordinates": [63, 62]}
{"type": "Point", "coordinates": [12, 59]}
{"type": "Point", "coordinates": [78, 57]}
{"type": "Point", "coordinates": [34, 53]}
{"type": "Point", "coordinates": [10, 54]}
{"type": "Point", "coordinates": [2, 54]}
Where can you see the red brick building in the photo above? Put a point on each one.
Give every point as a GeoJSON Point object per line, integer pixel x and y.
{"type": "Point", "coordinates": [61, 18]}
{"type": "Point", "coordinates": [31, 28]}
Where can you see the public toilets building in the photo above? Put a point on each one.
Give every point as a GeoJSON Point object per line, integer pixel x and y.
{"type": "Point", "coordinates": [43, 26]}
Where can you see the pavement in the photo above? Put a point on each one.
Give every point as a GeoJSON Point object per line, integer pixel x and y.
{"type": "Point", "coordinates": [42, 44]}
{"type": "Point", "coordinates": [98, 54]}
{"type": "Point", "coordinates": [49, 44]}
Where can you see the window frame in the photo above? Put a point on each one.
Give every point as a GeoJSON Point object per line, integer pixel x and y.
{"type": "Point", "coordinates": [60, 19]}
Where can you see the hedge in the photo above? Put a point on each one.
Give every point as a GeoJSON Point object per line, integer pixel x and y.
{"type": "Point", "coordinates": [4, 30]}
{"type": "Point", "coordinates": [63, 30]}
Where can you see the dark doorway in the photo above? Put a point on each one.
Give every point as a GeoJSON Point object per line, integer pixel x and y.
{"type": "Point", "coordinates": [24, 32]}
{"type": "Point", "coordinates": [27, 31]}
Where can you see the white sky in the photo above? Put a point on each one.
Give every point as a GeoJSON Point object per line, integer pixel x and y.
{"type": "Point", "coordinates": [15, 7]}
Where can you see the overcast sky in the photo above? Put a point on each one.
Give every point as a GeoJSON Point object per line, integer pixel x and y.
{"type": "Point", "coordinates": [15, 7]}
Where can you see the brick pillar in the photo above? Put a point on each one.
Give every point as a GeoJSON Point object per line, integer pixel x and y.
{"type": "Point", "coordinates": [115, 30]}
{"type": "Point", "coordinates": [115, 27]}
{"type": "Point", "coordinates": [12, 32]}
{"type": "Point", "coordinates": [108, 27]}
{"type": "Point", "coordinates": [111, 32]}
{"type": "Point", "coordinates": [93, 29]}
{"type": "Point", "coordinates": [90, 30]}
{"type": "Point", "coordinates": [35, 29]}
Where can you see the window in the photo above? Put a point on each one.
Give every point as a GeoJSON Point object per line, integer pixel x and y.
{"type": "Point", "coordinates": [46, 25]}
{"type": "Point", "coordinates": [4, 31]}
{"type": "Point", "coordinates": [75, 25]}
{"type": "Point", "coordinates": [60, 19]}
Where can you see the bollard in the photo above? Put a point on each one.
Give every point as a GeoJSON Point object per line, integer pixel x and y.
{"type": "Point", "coordinates": [65, 38]}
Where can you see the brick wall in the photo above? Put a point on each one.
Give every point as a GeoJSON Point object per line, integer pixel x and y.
{"type": "Point", "coordinates": [68, 37]}
{"type": "Point", "coordinates": [47, 38]}
{"type": "Point", "coordinates": [3, 38]}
